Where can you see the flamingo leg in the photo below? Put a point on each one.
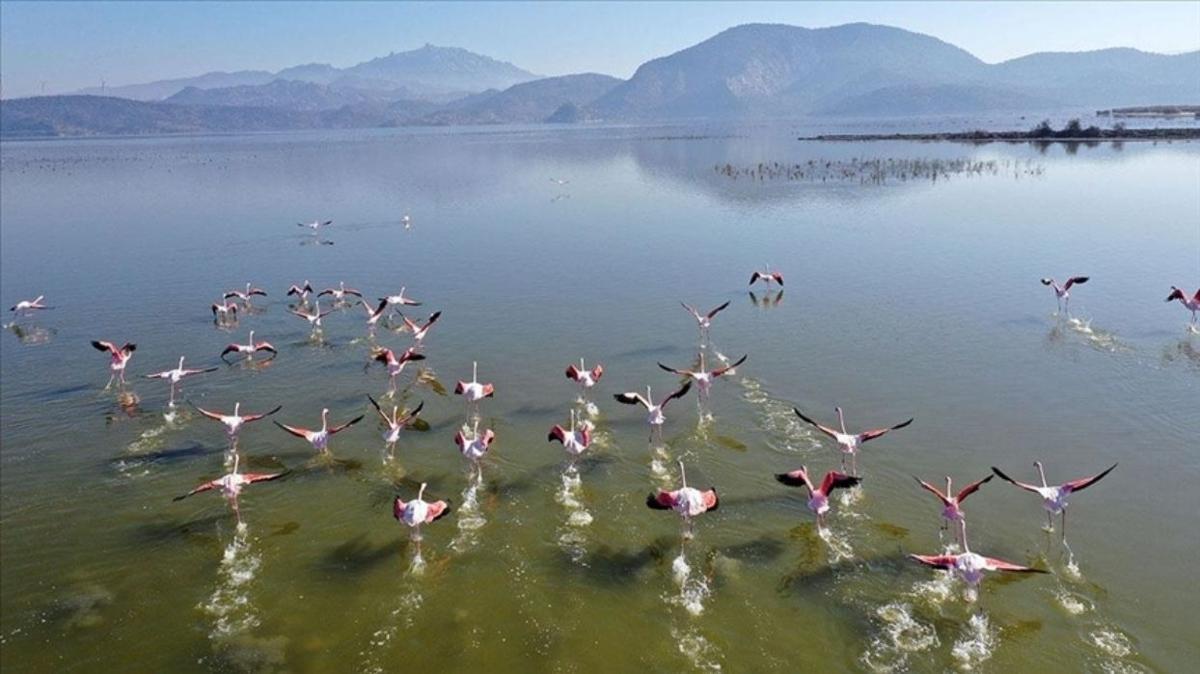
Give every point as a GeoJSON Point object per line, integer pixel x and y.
{"type": "Point", "coordinates": [1049, 521]}
{"type": "Point", "coordinates": [111, 377]}
{"type": "Point", "coordinates": [1064, 526]}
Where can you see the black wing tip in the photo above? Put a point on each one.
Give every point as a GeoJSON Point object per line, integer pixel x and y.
{"type": "Point", "coordinates": [653, 503]}
{"type": "Point", "coordinates": [789, 480]}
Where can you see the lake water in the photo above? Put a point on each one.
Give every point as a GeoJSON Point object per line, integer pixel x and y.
{"type": "Point", "coordinates": [906, 297]}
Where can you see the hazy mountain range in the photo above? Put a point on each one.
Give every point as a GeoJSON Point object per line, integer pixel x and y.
{"type": "Point", "coordinates": [750, 71]}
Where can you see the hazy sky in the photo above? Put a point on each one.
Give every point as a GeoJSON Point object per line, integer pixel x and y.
{"type": "Point", "coordinates": [70, 45]}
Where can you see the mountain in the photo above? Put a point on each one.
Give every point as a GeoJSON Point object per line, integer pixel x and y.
{"type": "Point", "coordinates": [1107, 77]}
{"type": "Point", "coordinates": [527, 103]}
{"type": "Point", "coordinates": [286, 94]}
{"type": "Point", "coordinates": [100, 115]}
{"type": "Point", "coordinates": [157, 91]}
{"type": "Point", "coordinates": [938, 99]}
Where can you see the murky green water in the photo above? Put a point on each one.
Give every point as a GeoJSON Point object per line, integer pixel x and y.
{"type": "Point", "coordinates": [905, 297]}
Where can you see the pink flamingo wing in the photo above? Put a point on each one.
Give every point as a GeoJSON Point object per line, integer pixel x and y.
{"type": "Point", "coordinates": [1085, 482]}
{"type": "Point", "coordinates": [936, 561]}
{"type": "Point", "coordinates": [437, 510]}
{"type": "Point", "coordinates": [1001, 565]}
{"type": "Point", "coordinates": [933, 490]}
{"type": "Point", "coordinates": [971, 488]}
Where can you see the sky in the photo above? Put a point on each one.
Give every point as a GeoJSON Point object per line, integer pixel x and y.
{"type": "Point", "coordinates": [59, 47]}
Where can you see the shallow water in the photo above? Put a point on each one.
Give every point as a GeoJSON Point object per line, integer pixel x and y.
{"type": "Point", "coordinates": [907, 298]}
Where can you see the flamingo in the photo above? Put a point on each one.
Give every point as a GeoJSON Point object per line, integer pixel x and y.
{"type": "Point", "coordinates": [703, 377]}
{"type": "Point", "coordinates": [767, 276]}
{"type": "Point", "coordinates": [406, 221]}
{"type": "Point", "coordinates": [1063, 292]}
{"type": "Point", "coordinates": [818, 497]}
{"type": "Point", "coordinates": [396, 365]}
{"type": "Point", "coordinates": [301, 292]}
{"type": "Point", "coordinates": [373, 315]}
{"type": "Point", "coordinates": [475, 446]}
{"type": "Point", "coordinates": [246, 294]}
{"type": "Point", "coordinates": [339, 293]}
{"type": "Point", "coordinates": [952, 510]}
{"type": "Point", "coordinates": [970, 567]}
{"type": "Point", "coordinates": [176, 375]}
{"type": "Point", "coordinates": [313, 318]}
{"type": "Point", "coordinates": [395, 423]}
{"type": "Point", "coordinates": [584, 377]}
{"type": "Point", "coordinates": [234, 422]}
{"type": "Point", "coordinates": [654, 412]}
{"type": "Point", "coordinates": [315, 225]}
{"type": "Point", "coordinates": [850, 442]}
{"type": "Point", "coordinates": [559, 181]}
{"type": "Point", "coordinates": [118, 358]}
{"type": "Point", "coordinates": [418, 511]}
{"type": "Point", "coordinates": [400, 300]}
{"type": "Point", "coordinates": [1054, 497]}
{"type": "Point", "coordinates": [419, 331]}
{"type": "Point", "coordinates": [688, 501]}
{"type": "Point", "coordinates": [474, 391]}
{"type": "Point", "coordinates": [1192, 305]}
{"type": "Point", "coordinates": [320, 439]}
{"type": "Point", "coordinates": [575, 441]}
{"type": "Point", "coordinates": [231, 485]}
{"type": "Point", "coordinates": [224, 310]}
{"type": "Point", "coordinates": [34, 304]}
{"type": "Point", "coordinates": [704, 321]}
{"type": "Point", "coordinates": [250, 348]}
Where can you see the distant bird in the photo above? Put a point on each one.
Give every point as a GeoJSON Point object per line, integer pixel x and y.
{"type": "Point", "coordinates": [952, 511]}
{"type": "Point", "coordinates": [575, 441]}
{"type": "Point", "coordinates": [373, 315]}
{"type": "Point", "coordinates": [399, 300]}
{"type": "Point", "coordinates": [118, 358]}
{"type": "Point", "coordinates": [406, 221]}
{"type": "Point", "coordinates": [245, 295]}
{"type": "Point", "coordinates": [559, 181]}
{"type": "Point", "coordinates": [704, 321]}
{"type": "Point", "coordinates": [395, 364]}
{"type": "Point", "coordinates": [1054, 497]}
{"type": "Point", "coordinates": [687, 501]}
{"type": "Point", "coordinates": [224, 310]}
{"type": "Point", "coordinates": [970, 567]}
{"type": "Point", "coordinates": [315, 225]}
{"type": "Point", "coordinates": [818, 497]}
{"type": "Point", "coordinates": [176, 375]}
{"type": "Point", "coordinates": [1192, 305]}
{"type": "Point", "coordinates": [34, 304]}
{"type": "Point", "coordinates": [1063, 292]}
{"type": "Point", "coordinates": [395, 423]}
{"type": "Point", "coordinates": [767, 276]}
{"type": "Point", "coordinates": [313, 317]}
{"type": "Point", "coordinates": [416, 512]}
{"type": "Point", "coordinates": [850, 442]}
{"type": "Point", "coordinates": [474, 446]}
{"type": "Point", "coordinates": [419, 331]}
{"type": "Point", "coordinates": [250, 348]}
{"type": "Point", "coordinates": [320, 439]}
{"type": "Point", "coordinates": [234, 422]}
{"type": "Point", "coordinates": [301, 292]}
{"type": "Point", "coordinates": [473, 391]}
{"type": "Point", "coordinates": [339, 293]}
{"type": "Point", "coordinates": [231, 485]}
{"type": "Point", "coordinates": [703, 377]}
{"type": "Point", "coordinates": [584, 377]}
{"type": "Point", "coordinates": [654, 412]}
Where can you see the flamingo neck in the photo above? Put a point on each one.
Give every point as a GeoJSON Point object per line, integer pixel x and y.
{"type": "Point", "coordinates": [236, 407]}
{"type": "Point", "coordinates": [421, 492]}
{"type": "Point", "coordinates": [1042, 474]}
{"type": "Point", "coordinates": [949, 489]}
{"type": "Point", "coordinates": [474, 372]}
{"type": "Point", "coordinates": [252, 338]}
{"type": "Point", "coordinates": [324, 420]}
{"type": "Point", "coordinates": [682, 475]}
{"type": "Point", "coordinates": [841, 419]}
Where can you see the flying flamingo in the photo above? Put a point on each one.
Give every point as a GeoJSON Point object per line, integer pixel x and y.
{"type": "Point", "coordinates": [1192, 305]}
{"type": "Point", "coordinates": [245, 295]}
{"type": "Point", "coordinates": [339, 293]}
{"type": "Point", "coordinates": [688, 501]}
{"type": "Point", "coordinates": [301, 292]}
{"type": "Point", "coordinates": [575, 441]}
{"type": "Point", "coordinates": [970, 567]}
{"type": "Point", "coordinates": [118, 358]}
{"type": "Point", "coordinates": [475, 446]}
{"type": "Point", "coordinates": [850, 442]}
{"type": "Point", "coordinates": [373, 315]}
{"type": "Point", "coordinates": [418, 511]}
{"type": "Point", "coordinates": [952, 511]}
{"type": "Point", "coordinates": [315, 225]}
{"type": "Point", "coordinates": [320, 439]}
{"type": "Point", "coordinates": [232, 484]}
{"type": "Point", "coordinates": [395, 423]}
{"type": "Point", "coordinates": [313, 318]}
{"type": "Point", "coordinates": [703, 377]}
{"type": "Point", "coordinates": [703, 321]}
{"type": "Point", "coordinates": [584, 377]}
{"type": "Point", "coordinates": [474, 391]}
{"type": "Point", "coordinates": [249, 348]}
{"type": "Point", "coordinates": [1063, 292]}
{"type": "Point", "coordinates": [767, 276]}
{"type": "Point", "coordinates": [224, 310]}
{"type": "Point", "coordinates": [400, 300]}
{"type": "Point", "coordinates": [818, 497]}
{"type": "Point", "coordinates": [654, 412]}
{"type": "Point", "coordinates": [1054, 497]}
{"type": "Point", "coordinates": [419, 331]}
{"type": "Point", "coordinates": [396, 365]}
{"type": "Point", "coordinates": [234, 422]}
{"type": "Point", "coordinates": [34, 304]}
{"type": "Point", "coordinates": [176, 375]}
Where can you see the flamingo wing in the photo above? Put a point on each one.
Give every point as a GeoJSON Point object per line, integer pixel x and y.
{"type": "Point", "coordinates": [229, 349]}
{"type": "Point", "coordinates": [778, 278]}
{"type": "Point", "coordinates": [386, 356]}
{"type": "Point", "coordinates": [255, 417]}
{"type": "Point", "coordinates": [437, 510]}
{"type": "Point", "coordinates": [936, 561]}
{"type": "Point", "coordinates": [251, 478]}
{"type": "Point", "coordinates": [971, 488]}
{"type": "Point", "coordinates": [295, 430]}
{"type": "Point", "coordinates": [824, 429]}
{"type": "Point", "coordinates": [835, 480]}
{"type": "Point", "coordinates": [716, 311]}
{"type": "Point", "coordinates": [872, 434]}
{"type": "Point", "coordinates": [754, 277]}
{"type": "Point", "coordinates": [692, 310]}
{"type": "Point", "coordinates": [662, 499]}
{"type": "Point", "coordinates": [433, 318]}
{"type": "Point", "coordinates": [1027, 487]}
{"type": "Point", "coordinates": [710, 498]}
{"type": "Point", "coordinates": [932, 490]}
{"type": "Point", "coordinates": [1085, 482]}
{"type": "Point", "coordinates": [204, 487]}
{"type": "Point", "coordinates": [1075, 280]}
{"type": "Point", "coordinates": [412, 416]}
{"type": "Point", "coordinates": [557, 432]}
{"type": "Point", "coordinates": [398, 507]}
{"type": "Point", "coordinates": [210, 415]}
{"type": "Point", "coordinates": [597, 372]}
{"type": "Point", "coordinates": [630, 398]}
{"type": "Point", "coordinates": [994, 564]}
{"type": "Point", "coordinates": [681, 392]}
{"type": "Point", "coordinates": [573, 373]}
{"type": "Point", "coordinates": [795, 478]}
{"type": "Point", "coordinates": [348, 424]}
{"type": "Point", "coordinates": [105, 346]}
{"type": "Point", "coordinates": [265, 346]}
{"type": "Point", "coordinates": [681, 373]}
{"type": "Point", "coordinates": [722, 370]}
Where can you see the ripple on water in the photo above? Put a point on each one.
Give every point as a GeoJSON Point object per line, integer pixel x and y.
{"type": "Point", "coordinates": [900, 636]}
{"type": "Point", "coordinates": [785, 431]}
{"type": "Point", "coordinates": [229, 604]}
{"type": "Point", "coordinates": [699, 651]}
{"type": "Point", "coordinates": [1111, 642]}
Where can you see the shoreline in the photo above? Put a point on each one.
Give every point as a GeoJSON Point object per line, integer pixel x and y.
{"type": "Point", "coordinates": [1109, 135]}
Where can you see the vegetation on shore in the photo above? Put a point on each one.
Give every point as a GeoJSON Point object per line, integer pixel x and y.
{"type": "Point", "coordinates": [1073, 131]}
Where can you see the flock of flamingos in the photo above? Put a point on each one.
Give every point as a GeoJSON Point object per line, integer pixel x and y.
{"type": "Point", "coordinates": [687, 501]}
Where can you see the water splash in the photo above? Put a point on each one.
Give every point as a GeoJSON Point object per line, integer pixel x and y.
{"type": "Point", "coordinates": [838, 544]}
{"type": "Point", "coordinates": [470, 518]}
{"type": "Point", "coordinates": [901, 635]}
{"type": "Point", "coordinates": [570, 537]}
{"type": "Point", "coordinates": [693, 588]}
{"type": "Point", "coordinates": [229, 605]}
{"type": "Point", "coordinates": [403, 616]}
{"type": "Point", "coordinates": [976, 645]}
{"type": "Point", "coordinates": [785, 432]}
{"type": "Point", "coordinates": [699, 651]}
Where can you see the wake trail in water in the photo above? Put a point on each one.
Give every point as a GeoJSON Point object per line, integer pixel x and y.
{"type": "Point", "coordinates": [785, 432]}
{"type": "Point", "coordinates": [402, 616]}
{"type": "Point", "coordinates": [229, 605]}
{"type": "Point", "coordinates": [470, 517]}
{"type": "Point", "coordinates": [571, 536]}
{"type": "Point", "coordinates": [1114, 649]}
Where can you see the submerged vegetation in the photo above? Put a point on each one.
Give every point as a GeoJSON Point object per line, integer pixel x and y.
{"type": "Point", "coordinates": [878, 170]}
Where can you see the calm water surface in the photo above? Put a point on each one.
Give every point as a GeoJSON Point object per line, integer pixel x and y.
{"type": "Point", "coordinates": [906, 297]}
